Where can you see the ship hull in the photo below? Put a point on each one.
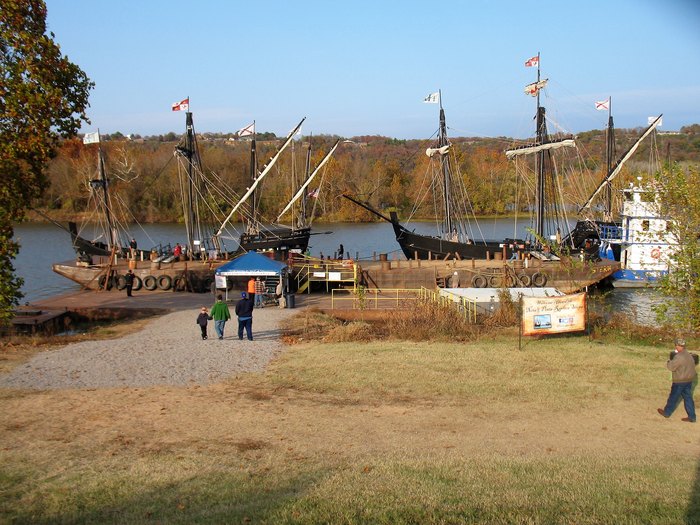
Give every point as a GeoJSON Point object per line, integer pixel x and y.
{"type": "Point", "coordinates": [191, 276]}
{"type": "Point", "coordinates": [425, 247]}
{"type": "Point", "coordinates": [277, 240]}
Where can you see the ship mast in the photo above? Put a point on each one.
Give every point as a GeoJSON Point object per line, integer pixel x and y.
{"type": "Point", "coordinates": [609, 155]}
{"type": "Point", "coordinates": [541, 135]}
{"type": "Point", "coordinates": [111, 232]}
{"type": "Point", "coordinates": [445, 168]}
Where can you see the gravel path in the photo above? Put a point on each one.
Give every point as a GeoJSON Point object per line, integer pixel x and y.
{"type": "Point", "coordinates": [168, 351]}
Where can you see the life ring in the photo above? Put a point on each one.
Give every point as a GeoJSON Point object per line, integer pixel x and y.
{"type": "Point", "coordinates": [165, 282]}
{"type": "Point", "coordinates": [137, 283]}
{"type": "Point", "coordinates": [495, 281]}
{"type": "Point", "coordinates": [539, 279]}
{"type": "Point", "coordinates": [656, 253]}
{"type": "Point", "coordinates": [121, 282]}
{"type": "Point", "coordinates": [150, 282]}
{"type": "Point", "coordinates": [479, 281]}
{"type": "Point", "coordinates": [524, 280]}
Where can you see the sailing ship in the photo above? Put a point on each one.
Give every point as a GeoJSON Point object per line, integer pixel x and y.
{"type": "Point", "coordinates": [604, 234]}
{"type": "Point", "coordinates": [275, 237]}
{"type": "Point", "coordinates": [549, 228]}
{"type": "Point", "coordinates": [456, 236]}
{"type": "Point", "coordinates": [112, 239]}
{"type": "Point", "coordinates": [103, 265]}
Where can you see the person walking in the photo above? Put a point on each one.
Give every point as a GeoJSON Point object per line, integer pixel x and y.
{"type": "Point", "coordinates": [244, 311]}
{"type": "Point", "coordinates": [220, 314]}
{"type": "Point", "coordinates": [202, 320]}
{"type": "Point", "coordinates": [682, 367]}
{"type": "Point", "coordinates": [251, 289]}
{"type": "Point", "coordinates": [259, 291]}
{"type": "Point", "coordinates": [129, 280]}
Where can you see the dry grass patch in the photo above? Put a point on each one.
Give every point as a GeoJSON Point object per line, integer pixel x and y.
{"type": "Point", "coordinates": [563, 431]}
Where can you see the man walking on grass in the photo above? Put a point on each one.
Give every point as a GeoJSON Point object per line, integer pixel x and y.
{"type": "Point", "coordinates": [682, 367]}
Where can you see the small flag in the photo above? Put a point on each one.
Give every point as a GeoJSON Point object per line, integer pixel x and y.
{"type": "Point", "coordinates": [433, 98]}
{"type": "Point", "coordinates": [314, 193]}
{"type": "Point", "coordinates": [534, 88]}
{"type": "Point", "coordinates": [248, 130]}
{"type": "Point", "coordinates": [91, 138]}
{"type": "Point", "coordinates": [533, 62]}
{"type": "Point", "coordinates": [650, 121]}
{"type": "Point", "coordinates": [183, 105]}
{"type": "Point", "coordinates": [603, 105]}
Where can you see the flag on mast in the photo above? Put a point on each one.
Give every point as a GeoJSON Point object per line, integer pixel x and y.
{"type": "Point", "coordinates": [650, 121]}
{"type": "Point", "coordinates": [533, 62]}
{"type": "Point", "coordinates": [91, 138]}
{"type": "Point", "coordinates": [248, 130]}
{"type": "Point", "coordinates": [183, 105]}
{"type": "Point", "coordinates": [603, 105]}
{"type": "Point", "coordinates": [314, 193]}
{"type": "Point", "coordinates": [433, 98]}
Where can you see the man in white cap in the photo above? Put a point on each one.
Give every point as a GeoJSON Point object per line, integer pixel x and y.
{"type": "Point", "coordinates": [682, 367]}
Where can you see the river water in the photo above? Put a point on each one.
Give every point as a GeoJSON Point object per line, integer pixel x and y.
{"type": "Point", "coordinates": [41, 245]}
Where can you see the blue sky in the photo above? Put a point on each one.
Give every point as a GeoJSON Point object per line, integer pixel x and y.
{"type": "Point", "coordinates": [363, 67]}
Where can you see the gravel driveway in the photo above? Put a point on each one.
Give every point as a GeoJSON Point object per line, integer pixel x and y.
{"type": "Point", "coordinates": [168, 351]}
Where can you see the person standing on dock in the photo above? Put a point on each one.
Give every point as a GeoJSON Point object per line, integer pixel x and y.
{"type": "Point", "coordinates": [244, 311]}
{"type": "Point", "coordinates": [129, 280]}
{"type": "Point", "coordinates": [251, 289]}
{"type": "Point", "coordinates": [341, 252]}
{"type": "Point", "coordinates": [682, 367]}
{"type": "Point", "coordinates": [259, 291]}
{"type": "Point", "coordinates": [132, 247]}
{"type": "Point", "coordinates": [220, 314]}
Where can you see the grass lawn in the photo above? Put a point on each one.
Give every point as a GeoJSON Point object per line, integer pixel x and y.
{"type": "Point", "coordinates": [563, 431]}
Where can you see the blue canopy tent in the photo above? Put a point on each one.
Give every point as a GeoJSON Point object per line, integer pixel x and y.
{"type": "Point", "coordinates": [251, 264]}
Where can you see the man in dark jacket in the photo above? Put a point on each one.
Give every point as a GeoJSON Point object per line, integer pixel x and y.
{"type": "Point", "coordinates": [244, 311]}
{"type": "Point", "coordinates": [682, 367]}
{"type": "Point", "coordinates": [129, 280]}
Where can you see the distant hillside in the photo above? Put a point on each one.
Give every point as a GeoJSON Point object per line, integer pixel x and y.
{"type": "Point", "coordinates": [386, 172]}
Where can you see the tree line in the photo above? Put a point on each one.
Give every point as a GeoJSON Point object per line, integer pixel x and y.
{"type": "Point", "coordinates": [388, 173]}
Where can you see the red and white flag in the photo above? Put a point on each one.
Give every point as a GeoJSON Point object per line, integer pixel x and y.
{"type": "Point", "coordinates": [314, 193]}
{"type": "Point", "coordinates": [534, 88]}
{"type": "Point", "coordinates": [248, 130]}
{"type": "Point", "coordinates": [533, 62]}
{"type": "Point", "coordinates": [183, 105]}
{"type": "Point", "coordinates": [603, 105]}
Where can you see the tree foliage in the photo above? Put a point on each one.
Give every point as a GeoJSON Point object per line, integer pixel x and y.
{"type": "Point", "coordinates": [43, 97]}
{"type": "Point", "coordinates": [679, 201]}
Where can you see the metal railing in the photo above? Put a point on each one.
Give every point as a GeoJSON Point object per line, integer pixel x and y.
{"type": "Point", "coordinates": [308, 269]}
{"type": "Point", "coordinates": [372, 298]}
{"type": "Point", "coordinates": [467, 307]}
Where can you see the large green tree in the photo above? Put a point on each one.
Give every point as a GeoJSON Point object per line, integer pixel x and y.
{"type": "Point", "coordinates": [679, 201]}
{"type": "Point", "coordinates": [43, 97]}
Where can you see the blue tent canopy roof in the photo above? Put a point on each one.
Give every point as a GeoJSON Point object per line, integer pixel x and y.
{"type": "Point", "coordinates": [251, 263]}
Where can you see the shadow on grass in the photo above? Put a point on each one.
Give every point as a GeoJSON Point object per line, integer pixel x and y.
{"type": "Point", "coordinates": [241, 497]}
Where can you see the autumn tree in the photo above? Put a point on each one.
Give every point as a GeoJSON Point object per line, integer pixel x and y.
{"type": "Point", "coordinates": [679, 202]}
{"type": "Point", "coordinates": [43, 97]}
